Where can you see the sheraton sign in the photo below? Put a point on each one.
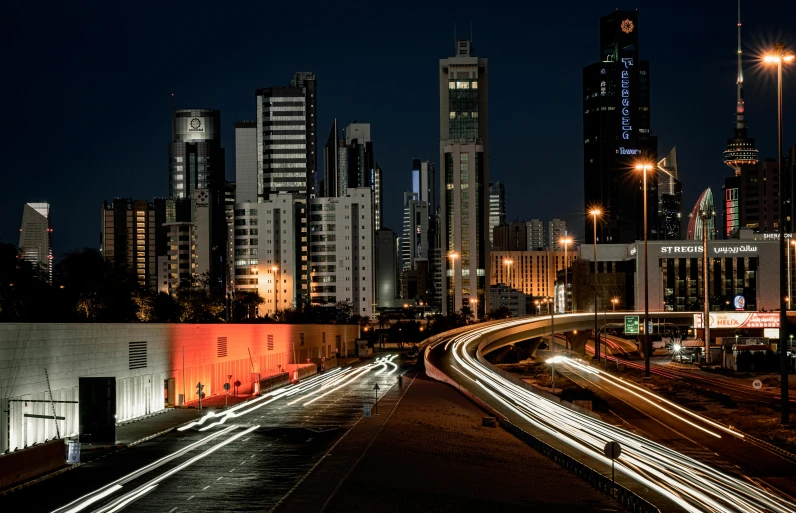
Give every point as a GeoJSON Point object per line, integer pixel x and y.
{"type": "Point", "coordinates": [729, 320]}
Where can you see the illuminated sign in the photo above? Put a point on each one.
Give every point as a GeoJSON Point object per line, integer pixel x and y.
{"type": "Point", "coordinates": [739, 302]}
{"type": "Point", "coordinates": [771, 333]}
{"type": "Point", "coordinates": [733, 219]}
{"type": "Point", "coordinates": [716, 249]}
{"type": "Point", "coordinates": [625, 92]}
{"type": "Point", "coordinates": [629, 151]}
{"type": "Point", "coordinates": [731, 320]}
{"type": "Point", "coordinates": [196, 125]}
{"type": "Point", "coordinates": [627, 26]}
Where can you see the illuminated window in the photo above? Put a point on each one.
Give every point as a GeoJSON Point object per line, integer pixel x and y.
{"type": "Point", "coordinates": [451, 84]}
{"type": "Point", "coordinates": [462, 84]}
{"type": "Point", "coordinates": [453, 115]}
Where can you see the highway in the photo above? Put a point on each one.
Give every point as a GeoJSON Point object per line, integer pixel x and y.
{"type": "Point", "coordinates": [683, 483]}
{"type": "Point", "coordinates": [245, 458]}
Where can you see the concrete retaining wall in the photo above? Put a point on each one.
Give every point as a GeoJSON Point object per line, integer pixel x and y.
{"type": "Point", "coordinates": [153, 364]}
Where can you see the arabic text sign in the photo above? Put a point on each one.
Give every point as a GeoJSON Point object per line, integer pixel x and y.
{"type": "Point", "coordinates": [729, 320]}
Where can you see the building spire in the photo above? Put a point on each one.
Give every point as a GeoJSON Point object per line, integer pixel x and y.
{"type": "Point", "coordinates": [739, 108]}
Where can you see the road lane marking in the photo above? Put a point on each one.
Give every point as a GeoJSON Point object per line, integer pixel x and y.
{"type": "Point", "coordinates": [189, 498]}
{"type": "Point", "coordinates": [220, 478]}
{"type": "Point", "coordinates": [206, 487]}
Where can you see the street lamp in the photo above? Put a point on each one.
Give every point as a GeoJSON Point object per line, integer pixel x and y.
{"type": "Point", "coordinates": [778, 56]}
{"type": "Point", "coordinates": [614, 302]}
{"type": "Point", "coordinates": [274, 269]}
{"type": "Point", "coordinates": [536, 302]}
{"type": "Point", "coordinates": [644, 168]}
{"type": "Point", "coordinates": [508, 263]}
{"type": "Point", "coordinates": [474, 308]}
{"type": "Point", "coordinates": [595, 213]}
{"type": "Point", "coordinates": [453, 256]}
{"type": "Point", "coordinates": [566, 241]}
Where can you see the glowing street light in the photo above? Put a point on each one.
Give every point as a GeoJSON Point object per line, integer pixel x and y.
{"type": "Point", "coordinates": [614, 301]}
{"type": "Point", "coordinates": [566, 241]}
{"type": "Point", "coordinates": [595, 213]}
{"type": "Point", "coordinates": [474, 308]}
{"type": "Point", "coordinates": [777, 56]}
{"type": "Point", "coordinates": [453, 256]}
{"type": "Point", "coordinates": [508, 263]}
{"type": "Point", "coordinates": [645, 167]}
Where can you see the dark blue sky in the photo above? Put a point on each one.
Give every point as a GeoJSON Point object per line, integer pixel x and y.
{"type": "Point", "coordinates": [87, 91]}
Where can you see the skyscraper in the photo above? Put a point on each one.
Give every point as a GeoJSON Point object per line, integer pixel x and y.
{"type": "Point", "coordinates": [616, 133]}
{"type": "Point", "coordinates": [196, 162]}
{"type": "Point", "coordinates": [246, 178]}
{"type": "Point", "coordinates": [497, 207]}
{"type": "Point", "coordinates": [286, 156]}
{"type": "Point", "coordinates": [535, 231]}
{"type": "Point", "coordinates": [464, 201]}
{"type": "Point", "coordinates": [35, 237]}
{"type": "Point", "coordinates": [331, 163]}
{"type": "Point", "coordinates": [386, 263]}
{"type": "Point", "coordinates": [701, 221]}
{"type": "Point", "coordinates": [741, 154]}
{"type": "Point", "coordinates": [424, 183]}
{"type": "Point", "coordinates": [670, 197]}
{"type": "Point", "coordinates": [556, 229]}
{"type": "Point", "coordinates": [415, 240]}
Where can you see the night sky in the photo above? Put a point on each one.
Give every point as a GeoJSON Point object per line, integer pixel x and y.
{"type": "Point", "coordinates": [88, 91]}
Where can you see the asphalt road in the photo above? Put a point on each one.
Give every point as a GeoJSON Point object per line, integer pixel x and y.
{"type": "Point", "coordinates": [247, 463]}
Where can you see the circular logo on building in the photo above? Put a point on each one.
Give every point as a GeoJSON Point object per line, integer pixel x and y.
{"type": "Point", "coordinates": [739, 302]}
{"type": "Point", "coordinates": [627, 26]}
{"type": "Point", "coordinates": [196, 123]}
{"type": "Point", "coordinates": [201, 198]}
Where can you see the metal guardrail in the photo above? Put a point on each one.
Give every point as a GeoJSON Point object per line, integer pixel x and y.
{"type": "Point", "coordinates": [625, 497]}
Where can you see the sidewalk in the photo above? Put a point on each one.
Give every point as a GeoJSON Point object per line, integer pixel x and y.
{"type": "Point", "coordinates": [432, 454]}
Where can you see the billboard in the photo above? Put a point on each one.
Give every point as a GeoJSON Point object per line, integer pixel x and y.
{"type": "Point", "coordinates": [730, 320]}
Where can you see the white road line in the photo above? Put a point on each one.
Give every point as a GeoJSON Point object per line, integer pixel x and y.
{"type": "Point", "coordinates": [206, 487]}
{"type": "Point", "coordinates": [189, 498]}
{"type": "Point", "coordinates": [220, 478]}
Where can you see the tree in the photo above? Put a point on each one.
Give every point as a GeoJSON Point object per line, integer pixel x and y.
{"type": "Point", "coordinates": [196, 305]}
{"type": "Point", "coordinates": [165, 308]}
{"type": "Point", "coordinates": [465, 315]}
{"type": "Point", "coordinates": [244, 305]}
{"type": "Point", "coordinates": [25, 295]}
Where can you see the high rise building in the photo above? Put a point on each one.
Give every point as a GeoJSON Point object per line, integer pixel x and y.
{"type": "Point", "coordinates": [415, 240]}
{"type": "Point", "coordinates": [265, 251]}
{"type": "Point", "coordinates": [246, 162]}
{"type": "Point", "coordinates": [702, 220]}
{"type": "Point", "coordinates": [497, 207]}
{"type": "Point", "coordinates": [331, 163]}
{"type": "Point", "coordinates": [670, 197]}
{"type": "Point", "coordinates": [535, 235]}
{"type": "Point", "coordinates": [512, 236]}
{"type": "Point", "coordinates": [741, 155]}
{"type": "Point", "coordinates": [424, 183]}
{"type": "Point", "coordinates": [196, 162]}
{"type": "Point", "coordinates": [386, 264]}
{"type": "Point", "coordinates": [286, 156]}
{"type": "Point", "coordinates": [191, 252]}
{"type": "Point", "coordinates": [132, 236]}
{"type": "Point", "coordinates": [464, 201]}
{"type": "Point", "coordinates": [759, 197]}
{"type": "Point", "coordinates": [531, 272]}
{"type": "Point", "coordinates": [342, 249]}
{"type": "Point", "coordinates": [616, 133]}
{"type": "Point", "coordinates": [35, 237]}
{"type": "Point", "coordinates": [556, 230]}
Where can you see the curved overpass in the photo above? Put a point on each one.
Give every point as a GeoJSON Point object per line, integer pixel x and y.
{"type": "Point", "coordinates": [670, 480]}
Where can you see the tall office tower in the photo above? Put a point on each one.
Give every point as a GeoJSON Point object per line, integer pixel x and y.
{"type": "Point", "coordinates": [740, 155]}
{"type": "Point", "coordinates": [246, 162]}
{"type": "Point", "coordinates": [759, 198]}
{"type": "Point", "coordinates": [700, 222]}
{"type": "Point", "coordinates": [464, 200]}
{"type": "Point", "coordinates": [265, 251]}
{"type": "Point", "coordinates": [386, 263]}
{"type": "Point", "coordinates": [616, 134]}
{"type": "Point", "coordinates": [378, 199]}
{"type": "Point", "coordinates": [497, 207]}
{"type": "Point", "coordinates": [556, 229]}
{"type": "Point", "coordinates": [132, 235]}
{"type": "Point", "coordinates": [35, 237]}
{"type": "Point", "coordinates": [230, 189]}
{"type": "Point", "coordinates": [436, 290]}
{"type": "Point", "coordinates": [670, 197]}
{"type": "Point", "coordinates": [535, 233]}
{"type": "Point", "coordinates": [424, 183]}
{"type": "Point", "coordinates": [331, 163]}
{"type": "Point", "coordinates": [342, 249]}
{"type": "Point", "coordinates": [196, 162]}
{"type": "Point", "coordinates": [286, 156]}
{"type": "Point", "coordinates": [415, 240]}
{"type": "Point", "coordinates": [192, 251]}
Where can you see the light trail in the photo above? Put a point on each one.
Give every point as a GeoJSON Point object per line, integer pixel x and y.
{"type": "Point", "coordinates": [693, 485]}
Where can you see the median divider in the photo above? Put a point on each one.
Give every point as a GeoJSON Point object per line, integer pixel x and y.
{"type": "Point", "coordinates": [627, 498]}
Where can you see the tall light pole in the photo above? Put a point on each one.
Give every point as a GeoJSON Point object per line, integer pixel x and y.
{"type": "Point", "coordinates": [453, 256]}
{"type": "Point", "coordinates": [274, 269]}
{"type": "Point", "coordinates": [614, 301]}
{"type": "Point", "coordinates": [566, 241]}
{"type": "Point", "coordinates": [474, 308]}
{"type": "Point", "coordinates": [248, 314]}
{"type": "Point", "coordinates": [644, 168]}
{"type": "Point", "coordinates": [553, 324]}
{"type": "Point", "coordinates": [508, 263]}
{"type": "Point", "coordinates": [778, 56]}
{"type": "Point", "coordinates": [595, 213]}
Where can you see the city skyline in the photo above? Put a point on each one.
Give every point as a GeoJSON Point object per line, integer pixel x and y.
{"type": "Point", "coordinates": [556, 122]}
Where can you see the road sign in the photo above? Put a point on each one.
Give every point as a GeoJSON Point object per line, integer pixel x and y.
{"type": "Point", "coordinates": [226, 386]}
{"type": "Point", "coordinates": [376, 386]}
{"type": "Point", "coordinates": [631, 324]}
{"type": "Point", "coordinates": [612, 450]}
{"type": "Point", "coordinates": [367, 409]}
{"type": "Point", "coordinates": [73, 454]}
{"type": "Point", "coordinates": [757, 384]}
{"type": "Point", "coordinates": [199, 388]}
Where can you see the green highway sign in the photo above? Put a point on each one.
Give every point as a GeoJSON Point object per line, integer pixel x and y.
{"type": "Point", "coordinates": [631, 324]}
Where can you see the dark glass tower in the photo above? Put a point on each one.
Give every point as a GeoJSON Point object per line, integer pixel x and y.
{"type": "Point", "coordinates": [616, 133]}
{"type": "Point", "coordinates": [670, 197]}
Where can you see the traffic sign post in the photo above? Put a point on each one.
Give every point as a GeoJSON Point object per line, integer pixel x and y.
{"type": "Point", "coordinates": [757, 384]}
{"type": "Point", "coordinates": [226, 397]}
{"type": "Point", "coordinates": [613, 450]}
{"type": "Point", "coordinates": [631, 324]}
{"type": "Point", "coordinates": [376, 389]}
{"type": "Point", "coordinates": [199, 388]}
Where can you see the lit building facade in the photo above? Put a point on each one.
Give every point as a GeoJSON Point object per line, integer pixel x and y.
{"type": "Point", "coordinates": [464, 198]}
{"type": "Point", "coordinates": [535, 235]}
{"type": "Point", "coordinates": [497, 207]}
{"type": "Point", "coordinates": [342, 250]}
{"type": "Point", "coordinates": [265, 251]}
{"type": "Point", "coordinates": [670, 197]}
{"type": "Point", "coordinates": [190, 249]}
{"type": "Point", "coordinates": [616, 134]}
{"type": "Point", "coordinates": [556, 230]}
{"type": "Point", "coordinates": [503, 296]}
{"type": "Point", "coordinates": [531, 272]}
{"type": "Point", "coordinates": [35, 237]}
